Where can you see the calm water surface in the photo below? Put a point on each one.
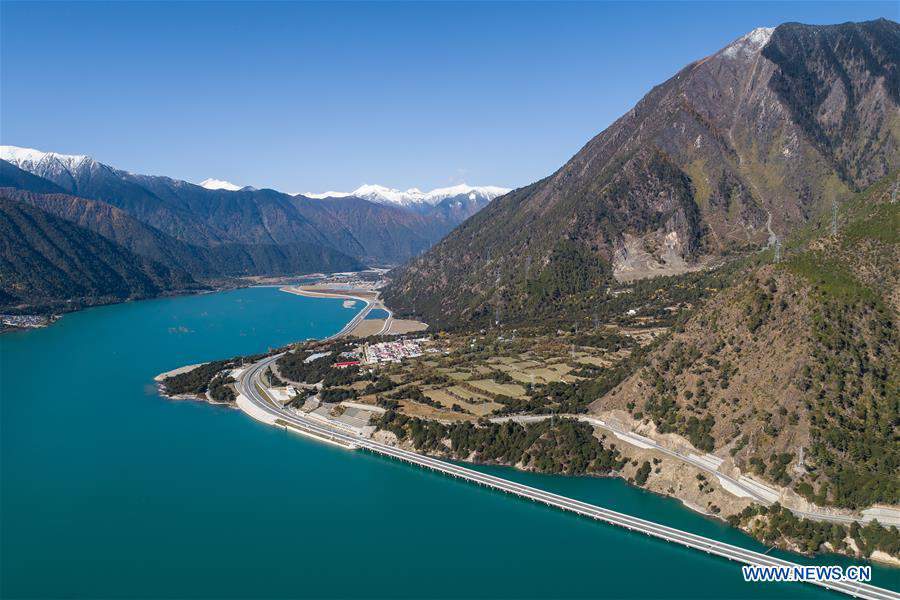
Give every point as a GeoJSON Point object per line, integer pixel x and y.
{"type": "Point", "coordinates": [109, 490]}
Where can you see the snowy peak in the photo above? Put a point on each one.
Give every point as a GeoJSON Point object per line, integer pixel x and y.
{"type": "Point", "coordinates": [57, 167]}
{"type": "Point", "coordinates": [31, 160]}
{"type": "Point", "coordinates": [320, 195]}
{"type": "Point", "coordinates": [385, 195]}
{"type": "Point", "coordinates": [749, 44]}
{"type": "Point", "coordinates": [414, 196]}
{"type": "Point", "coordinates": [219, 184]}
{"type": "Point", "coordinates": [488, 192]}
{"type": "Point", "coordinates": [64, 169]}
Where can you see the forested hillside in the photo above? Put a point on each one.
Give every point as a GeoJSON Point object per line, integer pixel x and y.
{"type": "Point", "coordinates": [49, 263]}
{"type": "Point", "coordinates": [201, 262]}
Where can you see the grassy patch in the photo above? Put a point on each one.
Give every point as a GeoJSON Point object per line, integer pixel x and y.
{"type": "Point", "coordinates": [882, 225]}
{"type": "Point", "coordinates": [829, 277]}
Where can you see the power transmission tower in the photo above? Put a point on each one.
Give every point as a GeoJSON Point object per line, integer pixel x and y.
{"type": "Point", "coordinates": [834, 218]}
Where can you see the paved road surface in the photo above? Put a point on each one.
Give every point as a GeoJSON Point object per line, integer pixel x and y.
{"type": "Point", "coordinates": [692, 461]}
{"type": "Point", "coordinates": [262, 408]}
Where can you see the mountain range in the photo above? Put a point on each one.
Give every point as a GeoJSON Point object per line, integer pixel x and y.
{"type": "Point", "coordinates": [414, 197]}
{"type": "Point", "coordinates": [731, 154]}
{"type": "Point", "coordinates": [217, 230]}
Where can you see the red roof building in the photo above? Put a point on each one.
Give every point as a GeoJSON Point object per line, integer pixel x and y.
{"type": "Point", "coordinates": [344, 365]}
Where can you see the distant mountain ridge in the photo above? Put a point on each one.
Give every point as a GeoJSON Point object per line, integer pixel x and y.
{"type": "Point", "coordinates": [215, 214]}
{"type": "Point", "coordinates": [414, 197]}
{"type": "Point", "coordinates": [734, 151]}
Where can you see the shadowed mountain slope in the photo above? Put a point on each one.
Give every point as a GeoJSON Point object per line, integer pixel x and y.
{"type": "Point", "coordinates": [47, 262]}
{"type": "Point", "coordinates": [221, 260]}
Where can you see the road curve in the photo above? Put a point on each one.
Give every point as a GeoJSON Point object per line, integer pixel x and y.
{"type": "Point", "coordinates": [250, 387]}
{"type": "Point", "coordinates": [652, 444]}
{"type": "Point", "coordinates": [387, 321]}
{"type": "Point", "coordinates": [816, 516]}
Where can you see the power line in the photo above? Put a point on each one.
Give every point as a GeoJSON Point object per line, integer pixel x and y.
{"type": "Point", "coordinates": [834, 218]}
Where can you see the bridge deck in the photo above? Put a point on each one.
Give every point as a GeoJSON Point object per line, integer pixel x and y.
{"type": "Point", "coordinates": [708, 545]}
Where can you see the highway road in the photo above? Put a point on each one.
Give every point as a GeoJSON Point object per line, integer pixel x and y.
{"type": "Point", "coordinates": [368, 306]}
{"type": "Point", "coordinates": [255, 401]}
{"type": "Point", "coordinates": [353, 323]}
{"type": "Point", "coordinates": [817, 516]}
{"type": "Point", "coordinates": [387, 321]}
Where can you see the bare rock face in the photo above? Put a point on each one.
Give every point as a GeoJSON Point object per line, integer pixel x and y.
{"type": "Point", "coordinates": [735, 150]}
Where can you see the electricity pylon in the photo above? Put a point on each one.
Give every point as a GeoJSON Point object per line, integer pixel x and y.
{"type": "Point", "coordinates": [834, 218]}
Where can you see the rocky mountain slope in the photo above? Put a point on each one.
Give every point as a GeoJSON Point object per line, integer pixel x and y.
{"type": "Point", "coordinates": [47, 262]}
{"type": "Point", "coordinates": [735, 150]}
{"type": "Point", "coordinates": [793, 373]}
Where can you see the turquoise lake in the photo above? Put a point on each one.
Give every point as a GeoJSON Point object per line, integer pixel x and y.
{"type": "Point", "coordinates": [377, 313]}
{"type": "Point", "coordinates": [108, 490]}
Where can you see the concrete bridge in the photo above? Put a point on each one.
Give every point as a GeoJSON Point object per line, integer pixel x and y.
{"type": "Point", "coordinates": [253, 400]}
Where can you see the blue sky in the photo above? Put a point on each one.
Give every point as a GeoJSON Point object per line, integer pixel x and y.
{"type": "Point", "coordinates": [316, 96]}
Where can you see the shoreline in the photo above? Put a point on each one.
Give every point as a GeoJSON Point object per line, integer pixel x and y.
{"type": "Point", "coordinates": [55, 312]}
{"type": "Point", "coordinates": [685, 502]}
{"type": "Point", "coordinates": [160, 377]}
{"type": "Point", "coordinates": [348, 327]}
{"type": "Point", "coordinates": [369, 298]}
{"type": "Point", "coordinates": [363, 327]}
{"type": "Point", "coordinates": [879, 557]}
{"type": "Point", "coordinates": [299, 291]}
{"type": "Point", "coordinates": [177, 371]}
{"type": "Point", "coordinates": [251, 400]}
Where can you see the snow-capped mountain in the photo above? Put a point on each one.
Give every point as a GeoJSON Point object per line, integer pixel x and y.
{"type": "Point", "coordinates": [44, 164]}
{"type": "Point", "coordinates": [66, 169]}
{"type": "Point", "coordinates": [320, 195]}
{"type": "Point", "coordinates": [270, 231]}
{"type": "Point", "coordinates": [219, 184]}
{"type": "Point", "coordinates": [415, 197]}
